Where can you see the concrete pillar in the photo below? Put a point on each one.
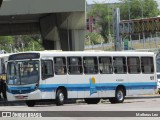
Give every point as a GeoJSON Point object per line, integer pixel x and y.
{"type": "Point", "coordinates": [78, 37]}
{"type": "Point", "coordinates": [1, 2]}
{"type": "Point", "coordinates": [65, 31]}
{"type": "Point", "coordinates": [72, 40]}
{"type": "Point", "coordinates": [65, 39]}
{"type": "Point", "coordinates": [48, 45]}
{"type": "Point", "coordinates": [50, 32]}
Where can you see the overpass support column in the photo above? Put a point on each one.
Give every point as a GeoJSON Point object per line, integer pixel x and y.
{"type": "Point", "coordinates": [72, 40]}
{"type": "Point", "coordinates": [64, 31]}
{"type": "Point", "coordinates": [78, 37]}
{"type": "Point", "coordinates": [50, 32]}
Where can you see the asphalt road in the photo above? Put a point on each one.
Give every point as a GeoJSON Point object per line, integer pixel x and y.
{"type": "Point", "coordinates": [138, 108]}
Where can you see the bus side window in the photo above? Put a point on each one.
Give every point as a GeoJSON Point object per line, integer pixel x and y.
{"type": "Point", "coordinates": [147, 65]}
{"type": "Point", "coordinates": [119, 65]}
{"type": "Point", "coordinates": [133, 65]}
{"type": "Point", "coordinates": [105, 65]}
{"type": "Point", "coordinates": [75, 65]}
{"type": "Point", "coordinates": [90, 65]}
{"type": "Point", "coordinates": [47, 69]}
{"type": "Point", "coordinates": [60, 65]}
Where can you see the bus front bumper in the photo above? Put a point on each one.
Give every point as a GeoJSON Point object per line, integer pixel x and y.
{"type": "Point", "coordinates": [35, 95]}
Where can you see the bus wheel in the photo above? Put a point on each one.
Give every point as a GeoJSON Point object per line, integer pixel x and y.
{"type": "Point", "coordinates": [92, 100]}
{"type": "Point", "coordinates": [60, 97]}
{"type": "Point", "coordinates": [30, 103]}
{"type": "Point", "coordinates": [119, 96]}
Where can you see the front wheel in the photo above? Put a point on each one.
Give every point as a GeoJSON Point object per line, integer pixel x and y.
{"type": "Point", "coordinates": [30, 103]}
{"type": "Point", "coordinates": [60, 97]}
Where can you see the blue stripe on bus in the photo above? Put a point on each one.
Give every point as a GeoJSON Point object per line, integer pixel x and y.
{"type": "Point", "coordinates": [99, 86]}
{"type": "Point", "coordinates": [86, 87]}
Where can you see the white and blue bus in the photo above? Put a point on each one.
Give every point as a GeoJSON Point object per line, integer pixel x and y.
{"type": "Point", "coordinates": [55, 75]}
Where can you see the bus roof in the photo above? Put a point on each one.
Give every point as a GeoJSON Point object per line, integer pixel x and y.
{"type": "Point", "coordinates": [88, 53]}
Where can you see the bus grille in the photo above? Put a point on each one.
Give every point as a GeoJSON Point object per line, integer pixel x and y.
{"type": "Point", "coordinates": [21, 91]}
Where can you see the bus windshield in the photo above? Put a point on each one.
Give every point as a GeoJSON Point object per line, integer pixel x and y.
{"type": "Point", "coordinates": [23, 72]}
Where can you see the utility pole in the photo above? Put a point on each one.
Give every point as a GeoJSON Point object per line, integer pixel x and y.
{"type": "Point", "coordinates": [116, 21]}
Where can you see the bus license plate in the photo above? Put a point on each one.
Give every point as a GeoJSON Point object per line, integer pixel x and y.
{"type": "Point", "coordinates": [20, 97]}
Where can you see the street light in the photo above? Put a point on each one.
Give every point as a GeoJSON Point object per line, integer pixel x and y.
{"type": "Point", "coordinates": [142, 24]}
{"type": "Point", "coordinates": [129, 12]}
{"type": "Point", "coordinates": [129, 17]}
{"type": "Point", "coordinates": [108, 22]}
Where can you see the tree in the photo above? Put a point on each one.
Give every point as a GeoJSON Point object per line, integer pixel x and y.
{"type": "Point", "coordinates": [129, 9]}
{"type": "Point", "coordinates": [103, 15]}
{"type": "Point", "coordinates": [28, 42]}
{"type": "Point", "coordinates": [6, 43]}
{"type": "Point", "coordinates": [92, 39]}
{"type": "Point", "coordinates": [136, 9]}
{"type": "Point", "coordinates": [21, 43]}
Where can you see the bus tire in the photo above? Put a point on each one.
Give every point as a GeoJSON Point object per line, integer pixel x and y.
{"type": "Point", "coordinates": [60, 97]}
{"type": "Point", "coordinates": [30, 103]}
{"type": "Point", "coordinates": [92, 100]}
{"type": "Point", "coordinates": [119, 96]}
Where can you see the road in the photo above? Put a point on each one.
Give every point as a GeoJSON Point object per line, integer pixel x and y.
{"type": "Point", "coordinates": [144, 105]}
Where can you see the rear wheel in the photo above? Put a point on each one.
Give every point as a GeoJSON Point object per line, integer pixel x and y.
{"type": "Point", "coordinates": [119, 96]}
{"type": "Point", "coordinates": [60, 97]}
{"type": "Point", "coordinates": [92, 100]}
{"type": "Point", "coordinates": [30, 103]}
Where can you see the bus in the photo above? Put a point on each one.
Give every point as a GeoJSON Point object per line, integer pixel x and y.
{"type": "Point", "coordinates": [3, 71]}
{"type": "Point", "coordinates": [58, 76]}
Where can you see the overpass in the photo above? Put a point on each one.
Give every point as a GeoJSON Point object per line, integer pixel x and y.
{"type": "Point", "coordinates": [60, 22]}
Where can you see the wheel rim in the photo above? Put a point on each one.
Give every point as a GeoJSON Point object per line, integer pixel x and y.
{"type": "Point", "coordinates": [120, 95]}
{"type": "Point", "coordinates": [61, 97]}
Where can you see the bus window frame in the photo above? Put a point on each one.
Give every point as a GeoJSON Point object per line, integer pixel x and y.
{"type": "Point", "coordinates": [152, 67]}
{"type": "Point", "coordinates": [64, 66]}
{"type": "Point", "coordinates": [96, 71]}
{"type": "Point", "coordinates": [128, 65]}
{"type": "Point", "coordinates": [111, 65]}
{"type": "Point", "coordinates": [43, 76]}
{"type": "Point", "coordinates": [79, 66]}
{"type": "Point", "coordinates": [124, 65]}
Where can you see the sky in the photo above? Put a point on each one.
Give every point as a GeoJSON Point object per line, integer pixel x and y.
{"type": "Point", "coordinates": [101, 1]}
